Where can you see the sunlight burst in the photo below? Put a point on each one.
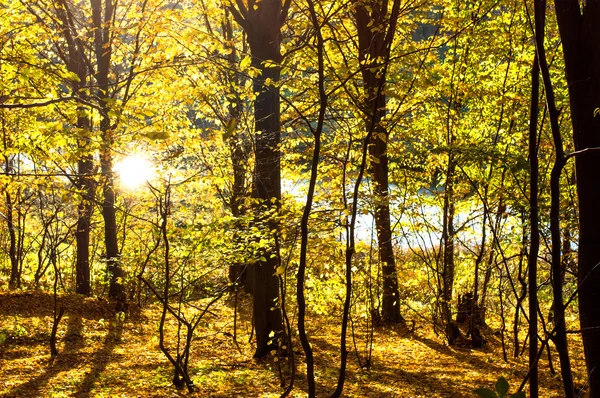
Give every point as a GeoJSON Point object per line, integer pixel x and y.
{"type": "Point", "coordinates": [134, 171]}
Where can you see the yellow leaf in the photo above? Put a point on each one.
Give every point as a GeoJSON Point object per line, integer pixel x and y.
{"type": "Point", "coordinates": [245, 62]}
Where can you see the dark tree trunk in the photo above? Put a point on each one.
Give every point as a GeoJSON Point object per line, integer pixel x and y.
{"type": "Point", "coordinates": [73, 55]}
{"type": "Point", "coordinates": [580, 36]}
{"type": "Point", "coordinates": [300, 294]}
{"type": "Point", "coordinates": [15, 277]}
{"type": "Point", "coordinates": [116, 287]}
{"type": "Point", "coordinates": [522, 293]}
{"type": "Point", "coordinates": [102, 20]}
{"type": "Point", "coordinates": [371, 22]}
{"type": "Point", "coordinates": [448, 237]}
{"type": "Point", "coordinates": [239, 149]}
{"type": "Point", "coordinates": [534, 240]}
{"type": "Point", "coordinates": [560, 335]}
{"type": "Point", "coordinates": [262, 22]}
{"type": "Point", "coordinates": [87, 186]}
{"type": "Point", "coordinates": [267, 315]}
{"type": "Point", "coordinates": [13, 252]}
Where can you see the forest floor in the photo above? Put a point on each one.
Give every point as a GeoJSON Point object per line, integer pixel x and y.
{"type": "Point", "coordinates": [101, 356]}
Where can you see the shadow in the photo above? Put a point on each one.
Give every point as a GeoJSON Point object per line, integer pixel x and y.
{"type": "Point", "coordinates": [72, 357]}
{"type": "Point", "coordinates": [459, 353]}
{"type": "Point", "coordinates": [36, 303]}
{"type": "Point", "coordinates": [423, 380]}
{"type": "Point", "coordinates": [68, 359]}
{"type": "Point", "coordinates": [74, 335]}
{"type": "Point", "coordinates": [101, 358]}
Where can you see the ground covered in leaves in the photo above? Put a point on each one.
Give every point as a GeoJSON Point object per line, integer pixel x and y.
{"type": "Point", "coordinates": [102, 356]}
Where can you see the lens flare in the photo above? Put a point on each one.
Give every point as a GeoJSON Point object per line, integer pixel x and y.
{"type": "Point", "coordinates": [134, 171]}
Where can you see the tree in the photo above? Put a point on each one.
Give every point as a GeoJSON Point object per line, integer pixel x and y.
{"type": "Point", "coordinates": [262, 22]}
{"type": "Point", "coordinates": [580, 36]}
{"type": "Point", "coordinates": [376, 31]}
{"type": "Point", "coordinates": [71, 52]}
{"type": "Point", "coordinates": [103, 16]}
{"type": "Point", "coordinates": [560, 337]}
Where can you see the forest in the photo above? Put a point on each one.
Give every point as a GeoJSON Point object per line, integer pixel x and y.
{"type": "Point", "coordinates": [309, 198]}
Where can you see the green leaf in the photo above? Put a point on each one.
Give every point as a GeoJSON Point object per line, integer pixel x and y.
{"type": "Point", "coordinates": [520, 394]}
{"type": "Point", "coordinates": [485, 393]}
{"type": "Point", "coordinates": [502, 387]}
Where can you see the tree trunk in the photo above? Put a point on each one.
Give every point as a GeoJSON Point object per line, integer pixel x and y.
{"type": "Point", "coordinates": [560, 336]}
{"type": "Point", "coordinates": [73, 55]}
{"type": "Point", "coordinates": [239, 150]}
{"type": "Point", "coordinates": [448, 236]}
{"type": "Point", "coordinates": [267, 315]}
{"type": "Point", "coordinates": [102, 20]}
{"type": "Point", "coordinates": [534, 240]}
{"type": "Point", "coordinates": [580, 37]}
{"type": "Point", "coordinates": [87, 186]}
{"type": "Point", "coordinates": [262, 22]}
{"type": "Point", "coordinates": [15, 277]}
{"type": "Point", "coordinates": [371, 19]}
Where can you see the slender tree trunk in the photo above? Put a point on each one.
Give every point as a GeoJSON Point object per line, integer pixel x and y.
{"type": "Point", "coordinates": [310, 374]}
{"type": "Point", "coordinates": [522, 294]}
{"type": "Point", "coordinates": [74, 58]}
{"type": "Point", "coordinates": [116, 287]}
{"type": "Point", "coordinates": [87, 186]}
{"type": "Point", "coordinates": [534, 241]}
{"type": "Point", "coordinates": [102, 20]}
{"type": "Point", "coordinates": [560, 338]}
{"type": "Point", "coordinates": [239, 149]}
{"type": "Point", "coordinates": [15, 278]}
{"type": "Point", "coordinates": [371, 21]}
{"type": "Point", "coordinates": [448, 236]}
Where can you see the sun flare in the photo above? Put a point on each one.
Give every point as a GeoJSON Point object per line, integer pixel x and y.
{"type": "Point", "coordinates": [134, 171]}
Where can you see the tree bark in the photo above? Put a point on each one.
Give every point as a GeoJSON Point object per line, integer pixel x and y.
{"type": "Point", "coordinates": [560, 336]}
{"type": "Point", "coordinates": [73, 55]}
{"type": "Point", "coordinates": [580, 36]}
{"type": "Point", "coordinates": [262, 23]}
{"type": "Point", "coordinates": [300, 293]}
{"type": "Point", "coordinates": [87, 186]}
{"type": "Point", "coordinates": [102, 20]}
{"type": "Point", "coordinates": [534, 240]}
{"type": "Point", "coordinates": [448, 237]}
{"type": "Point", "coordinates": [374, 40]}
{"type": "Point", "coordinates": [15, 277]}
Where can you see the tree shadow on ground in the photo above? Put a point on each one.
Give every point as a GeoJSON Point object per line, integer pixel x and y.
{"type": "Point", "coordinates": [72, 357]}
{"type": "Point", "coordinates": [40, 304]}
{"type": "Point", "coordinates": [461, 354]}
{"type": "Point", "coordinates": [101, 358]}
{"type": "Point", "coordinates": [426, 380]}
{"type": "Point", "coordinates": [66, 360]}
